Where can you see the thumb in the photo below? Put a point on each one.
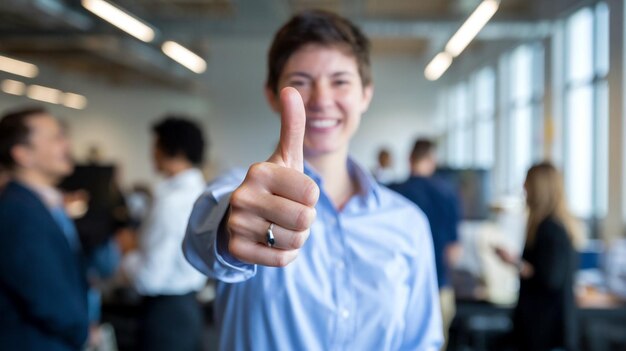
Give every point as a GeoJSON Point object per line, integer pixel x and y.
{"type": "Point", "coordinates": [293, 124]}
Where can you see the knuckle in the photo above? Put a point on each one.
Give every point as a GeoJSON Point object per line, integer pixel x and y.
{"type": "Point", "coordinates": [298, 239]}
{"type": "Point", "coordinates": [235, 224]}
{"type": "Point", "coordinates": [259, 171]}
{"type": "Point", "coordinates": [234, 248]}
{"type": "Point", "coordinates": [242, 198]}
{"type": "Point", "coordinates": [237, 198]}
{"type": "Point", "coordinates": [304, 218]}
{"type": "Point", "coordinates": [310, 192]}
{"type": "Point", "coordinates": [282, 259]}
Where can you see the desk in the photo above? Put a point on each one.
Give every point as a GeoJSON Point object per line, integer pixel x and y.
{"type": "Point", "coordinates": [482, 326]}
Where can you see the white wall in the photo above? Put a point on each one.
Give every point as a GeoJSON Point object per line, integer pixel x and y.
{"type": "Point", "coordinates": [403, 108]}
{"type": "Point", "coordinates": [117, 119]}
{"type": "Point", "coordinates": [242, 129]}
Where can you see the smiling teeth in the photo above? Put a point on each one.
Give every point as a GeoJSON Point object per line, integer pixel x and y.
{"type": "Point", "coordinates": [324, 123]}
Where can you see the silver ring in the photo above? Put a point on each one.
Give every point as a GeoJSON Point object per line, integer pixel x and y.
{"type": "Point", "coordinates": [270, 236]}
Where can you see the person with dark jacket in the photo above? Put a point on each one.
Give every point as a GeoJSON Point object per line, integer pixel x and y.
{"type": "Point", "coordinates": [545, 316]}
{"type": "Point", "coordinates": [43, 291]}
{"type": "Point", "coordinates": [441, 205]}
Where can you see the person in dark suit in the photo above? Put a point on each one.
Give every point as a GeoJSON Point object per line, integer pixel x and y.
{"type": "Point", "coordinates": [43, 292]}
{"type": "Point", "coordinates": [4, 178]}
{"type": "Point", "coordinates": [545, 316]}
{"type": "Point", "coordinates": [441, 206]}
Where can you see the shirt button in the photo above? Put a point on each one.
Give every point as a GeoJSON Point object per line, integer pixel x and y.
{"type": "Point", "coordinates": [345, 314]}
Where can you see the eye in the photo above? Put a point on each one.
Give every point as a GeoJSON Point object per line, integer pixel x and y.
{"type": "Point", "coordinates": [340, 82]}
{"type": "Point", "coordinates": [298, 83]}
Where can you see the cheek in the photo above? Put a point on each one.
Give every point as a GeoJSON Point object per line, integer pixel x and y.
{"type": "Point", "coordinates": [157, 157]}
{"type": "Point", "coordinates": [49, 157]}
{"type": "Point", "coordinates": [61, 149]}
{"type": "Point", "coordinates": [353, 100]}
{"type": "Point", "coordinates": [352, 110]}
{"type": "Point", "coordinates": [61, 153]}
{"type": "Point", "coordinates": [304, 93]}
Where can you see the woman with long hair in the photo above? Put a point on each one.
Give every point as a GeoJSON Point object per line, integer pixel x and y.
{"type": "Point", "coordinates": [545, 316]}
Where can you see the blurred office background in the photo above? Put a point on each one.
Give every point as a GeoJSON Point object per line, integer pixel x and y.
{"type": "Point", "coordinates": [542, 80]}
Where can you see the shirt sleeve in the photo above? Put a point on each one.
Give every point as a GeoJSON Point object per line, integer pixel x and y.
{"type": "Point", "coordinates": [201, 247]}
{"type": "Point", "coordinates": [423, 327]}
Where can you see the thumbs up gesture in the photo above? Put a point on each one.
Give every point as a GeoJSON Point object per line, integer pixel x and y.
{"type": "Point", "coordinates": [276, 193]}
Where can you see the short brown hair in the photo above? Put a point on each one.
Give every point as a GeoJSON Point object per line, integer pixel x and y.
{"type": "Point", "coordinates": [178, 135]}
{"type": "Point", "coordinates": [14, 131]}
{"type": "Point", "coordinates": [317, 27]}
{"type": "Point", "coordinates": [421, 149]}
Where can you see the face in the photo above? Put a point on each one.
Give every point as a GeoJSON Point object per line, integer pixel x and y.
{"type": "Point", "coordinates": [384, 159]}
{"type": "Point", "coordinates": [48, 149]}
{"type": "Point", "coordinates": [4, 178]}
{"type": "Point", "coordinates": [334, 97]}
{"type": "Point", "coordinates": [427, 165]}
{"type": "Point", "coordinates": [430, 166]}
{"type": "Point", "coordinates": [158, 156]}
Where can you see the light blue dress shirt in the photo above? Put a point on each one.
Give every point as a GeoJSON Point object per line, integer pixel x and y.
{"type": "Point", "coordinates": [364, 280]}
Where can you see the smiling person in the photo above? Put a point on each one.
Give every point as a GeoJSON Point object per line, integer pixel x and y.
{"type": "Point", "coordinates": [308, 251]}
{"type": "Point", "coordinates": [43, 289]}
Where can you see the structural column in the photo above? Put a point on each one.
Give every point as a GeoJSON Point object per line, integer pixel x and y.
{"type": "Point", "coordinates": [614, 224]}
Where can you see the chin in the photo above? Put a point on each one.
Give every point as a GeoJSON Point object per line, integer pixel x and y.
{"type": "Point", "coordinates": [319, 150]}
{"type": "Point", "coordinates": [66, 171]}
{"type": "Point", "coordinates": [322, 145]}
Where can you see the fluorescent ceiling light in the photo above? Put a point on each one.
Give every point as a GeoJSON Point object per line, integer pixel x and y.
{"type": "Point", "coordinates": [45, 94]}
{"type": "Point", "coordinates": [18, 67]}
{"type": "Point", "coordinates": [13, 87]}
{"type": "Point", "coordinates": [474, 23]}
{"type": "Point", "coordinates": [438, 66]}
{"type": "Point", "coordinates": [184, 56]}
{"type": "Point", "coordinates": [121, 19]}
{"type": "Point", "coordinates": [75, 101]}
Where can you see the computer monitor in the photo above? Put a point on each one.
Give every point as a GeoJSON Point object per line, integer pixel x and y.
{"type": "Point", "coordinates": [473, 187]}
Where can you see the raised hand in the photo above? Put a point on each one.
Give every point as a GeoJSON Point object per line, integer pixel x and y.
{"type": "Point", "coordinates": [275, 192]}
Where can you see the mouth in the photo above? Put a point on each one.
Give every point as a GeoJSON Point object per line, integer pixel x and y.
{"type": "Point", "coordinates": [322, 124]}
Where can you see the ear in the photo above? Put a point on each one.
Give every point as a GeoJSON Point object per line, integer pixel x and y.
{"type": "Point", "coordinates": [22, 156]}
{"type": "Point", "coordinates": [368, 92]}
{"type": "Point", "coordinates": [272, 99]}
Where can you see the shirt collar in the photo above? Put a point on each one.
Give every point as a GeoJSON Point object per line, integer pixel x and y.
{"type": "Point", "coordinates": [183, 177]}
{"type": "Point", "coordinates": [50, 196]}
{"type": "Point", "coordinates": [369, 193]}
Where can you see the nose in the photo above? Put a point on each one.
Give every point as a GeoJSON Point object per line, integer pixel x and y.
{"type": "Point", "coordinates": [320, 96]}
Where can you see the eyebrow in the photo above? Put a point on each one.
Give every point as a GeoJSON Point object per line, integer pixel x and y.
{"type": "Point", "coordinates": [308, 76]}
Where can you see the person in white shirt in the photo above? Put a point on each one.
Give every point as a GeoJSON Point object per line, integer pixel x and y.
{"type": "Point", "coordinates": [171, 318]}
{"type": "Point", "coordinates": [383, 172]}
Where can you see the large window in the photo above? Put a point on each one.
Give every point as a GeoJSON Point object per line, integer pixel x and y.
{"type": "Point", "coordinates": [586, 112]}
{"type": "Point", "coordinates": [469, 109]}
{"type": "Point", "coordinates": [483, 88]}
{"type": "Point", "coordinates": [521, 125]}
{"type": "Point", "coordinates": [508, 135]}
{"type": "Point", "coordinates": [458, 136]}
